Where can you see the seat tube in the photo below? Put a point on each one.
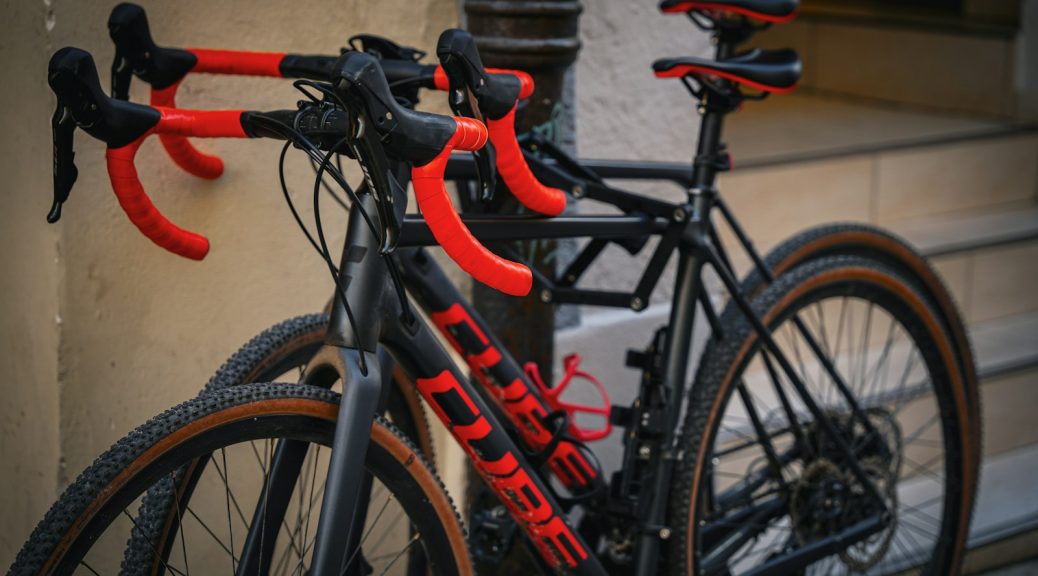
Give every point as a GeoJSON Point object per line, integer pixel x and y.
{"type": "Point", "coordinates": [653, 511]}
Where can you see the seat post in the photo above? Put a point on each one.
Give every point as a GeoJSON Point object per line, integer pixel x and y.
{"type": "Point", "coordinates": [704, 170]}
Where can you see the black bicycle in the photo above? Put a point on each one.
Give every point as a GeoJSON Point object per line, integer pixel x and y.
{"type": "Point", "coordinates": [830, 425]}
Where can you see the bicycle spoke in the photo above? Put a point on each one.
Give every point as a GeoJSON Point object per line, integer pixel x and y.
{"type": "Point", "coordinates": [364, 538]}
{"type": "Point", "coordinates": [180, 523]}
{"type": "Point", "coordinates": [266, 497]}
{"type": "Point", "coordinates": [230, 493]}
{"type": "Point", "coordinates": [151, 544]}
{"type": "Point", "coordinates": [863, 364]}
{"type": "Point", "coordinates": [414, 539]}
{"type": "Point", "coordinates": [227, 500]}
{"type": "Point", "coordinates": [88, 567]}
{"type": "Point", "coordinates": [213, 534]}
{"type": "Point", "coordinates": [309, 509]}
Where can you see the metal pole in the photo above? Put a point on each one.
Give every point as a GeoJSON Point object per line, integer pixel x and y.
{"type": "Point", "coordinates": [540, 37]}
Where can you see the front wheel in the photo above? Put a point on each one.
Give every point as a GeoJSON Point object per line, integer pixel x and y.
{"type": "Point", "coordinates": [766, 484]}
{"type": "Point", "coordinates": [411, 528]}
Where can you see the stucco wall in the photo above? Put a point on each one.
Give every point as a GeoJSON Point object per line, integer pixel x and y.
{"type": "Point", "coordinates": [30, 256]}
{"type": "Point", "coordinates": [99, 329]}
{"type": "Point", "coordinates": [625, 112]}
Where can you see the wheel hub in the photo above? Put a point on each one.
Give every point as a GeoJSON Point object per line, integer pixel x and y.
{"type": "Point", "coordinates": [828, 498]}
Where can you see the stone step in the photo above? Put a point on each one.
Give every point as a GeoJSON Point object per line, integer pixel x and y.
{"type": "Point", "coordinates": [964, 65]}
{"type": "Point", "coordinates": [1006, 510]}
{"type": "Point", "coordinates": [988, 259]}
{"type": "Point", "coordinates": [861, 163]}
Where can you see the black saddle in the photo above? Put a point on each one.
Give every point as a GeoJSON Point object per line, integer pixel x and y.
{"type": "Point", "coordinates": [766, 10]}
{"type": "Point", "coordinates": [766, 70]}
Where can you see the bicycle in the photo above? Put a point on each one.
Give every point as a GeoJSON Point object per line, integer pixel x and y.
{"type": "Point", "coordinates": [138, 55]}
{"type": "Point", "coordinates": [653, 421]}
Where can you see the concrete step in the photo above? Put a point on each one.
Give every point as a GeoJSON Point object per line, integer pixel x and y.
{"type": "Point", "coordinates": [957, 64]}
{"type": "Point", "coordinates": [963, 233]}
{"type": "Point", "coordinates": [814, 160]}
{"type": "Point", "coordinates": [1006, 510]}
{"type": "Point", "coordinates": [988, 259]}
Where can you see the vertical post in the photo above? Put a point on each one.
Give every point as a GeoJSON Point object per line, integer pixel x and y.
{"type": "Point", "coordinates": [540, 37]}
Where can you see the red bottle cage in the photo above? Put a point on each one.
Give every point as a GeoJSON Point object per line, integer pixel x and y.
{"type": "Point", "coordinates": [552, 396]}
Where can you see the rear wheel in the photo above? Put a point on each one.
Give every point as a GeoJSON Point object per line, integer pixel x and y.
{"type": "Point", "coordinates": [767, 483]}
{"type": "Point", "coordinates": [874, 243]}
{"type": "Point", "coordinates": [414, 528]}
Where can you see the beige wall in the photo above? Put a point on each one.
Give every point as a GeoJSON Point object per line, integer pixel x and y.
{"type": "Point", "coordinates": [29, 283]}
{"type": "Point", "coordinates": [624, 111]}
{"type": "Point", "coordinates": [99, 328]}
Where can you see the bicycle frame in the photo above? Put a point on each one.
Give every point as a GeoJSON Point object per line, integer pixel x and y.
{"type": "Point", "coordinates": [478, 425]}
{"type": "Point", "coordinates": [383, 325]}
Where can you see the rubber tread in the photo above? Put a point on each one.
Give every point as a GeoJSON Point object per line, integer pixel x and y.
{"type": "Point", "coordinates": [92, 481]}
{"type": "Point", "coordinates": [715, 364]}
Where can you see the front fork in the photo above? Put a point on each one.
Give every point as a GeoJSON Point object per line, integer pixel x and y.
{"type": "Point", "coordinates": [355, 359]}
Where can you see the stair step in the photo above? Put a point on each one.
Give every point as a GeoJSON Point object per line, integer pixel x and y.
{"type": "Point", "coordinates": [987, 258]}
{"type": "Point", "coordinates": [807, 126]}
{"type": "Point", "coordinates": [961, 68]}
{"type": "Point", "coordinates": [1007, 506]}
{"type": "Point", "coordinates": [965, 201]}
{"type": "Point", "coordinates": [1006, 345]}
{"type": "Point", "coordinates": [938, 236]}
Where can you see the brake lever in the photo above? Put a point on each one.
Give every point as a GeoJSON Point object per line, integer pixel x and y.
{"type": "Point", "coordinates": [464, 103]}
{"type": "Point", "coordinates": [383, 48]}
{"type": "Point", "coordinates": [63, 127]}
{"type": "Point", "coordinates": [391, 196]}
{"type": "Point", "coordinates": [122, 75]}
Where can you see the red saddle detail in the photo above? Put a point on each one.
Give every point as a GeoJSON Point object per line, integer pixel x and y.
{"type": "Point", "coordinates": [552, 396]}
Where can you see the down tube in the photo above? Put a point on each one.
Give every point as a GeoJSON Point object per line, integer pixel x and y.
{"type": "Point", "coordinates": [498, 460]}
{"type": "Point", "coordinates": [498, 372]}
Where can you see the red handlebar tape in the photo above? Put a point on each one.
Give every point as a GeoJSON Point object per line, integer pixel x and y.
{"type": "Point", "coordinates": [134, 200]}
{"type": "Point", "coordinates": [179, 148]}
{"type": "Point", "coordinates": [238, 62]}
{"type": "Point", "coordinates": [510, 162]}
{"type": "Point", "coordinates": [448, 229]}
{"type": "Point", "coordinates": [526, 85]}
{"type": "Point", "coordinates": [516, 174]}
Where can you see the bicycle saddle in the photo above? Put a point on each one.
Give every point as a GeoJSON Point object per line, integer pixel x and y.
{"type": "Point", "coordinates": [767, 70]}
{"type": "Point", "coordinates": [766, 10]}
